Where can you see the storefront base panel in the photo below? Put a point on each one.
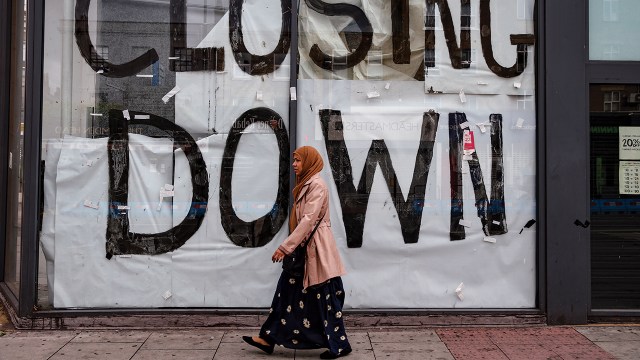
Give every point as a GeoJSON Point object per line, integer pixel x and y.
{"type": "Point", "coordinates": [209, 319]}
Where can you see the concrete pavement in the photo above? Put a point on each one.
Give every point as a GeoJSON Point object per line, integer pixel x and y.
{"type": "Point", "coordinates": [531, 343]}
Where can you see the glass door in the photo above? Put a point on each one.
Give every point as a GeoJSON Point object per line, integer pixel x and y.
{"type": "Point", "coordinates": [615, 196]}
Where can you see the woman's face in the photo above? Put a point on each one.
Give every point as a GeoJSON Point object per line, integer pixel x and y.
{"type": "Point", "coordinates": [297, 164]}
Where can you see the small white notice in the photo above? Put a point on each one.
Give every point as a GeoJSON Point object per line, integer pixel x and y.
{"type": "Point", "coordinates": [629, 147]}
{"type": "Point", "coordinates": [293, 93]}
{"type": "Point", "coordinates": [629, 173]}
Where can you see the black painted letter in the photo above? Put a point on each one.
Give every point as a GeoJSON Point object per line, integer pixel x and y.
{"type": "Point", "coordinates": [521, 41]}
{"type": "Point", "coordinates": [400, 31]}
{"type": "Point", "coordinates": [258, 64]}
{"type": "Point", "coordinates": [460, 56]}
{"type": "Point", "coordinates": [97, 63]}
{"type": "Point", "coordinates": [189, 59]}
{"type": "Point", "coordinates": [488, 211]}
{"type": "Point", "coordinates": [329, 62]}
{"type": "Point", "coordinates": [119, 240]}
{"type": "Point", "coordinates": [354, 202]}
{"type": "Point", "coordinates": [258, 232]}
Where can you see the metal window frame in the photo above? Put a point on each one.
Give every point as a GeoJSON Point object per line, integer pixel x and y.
{"type": "Point", "coordinates": [5, 70]}
{"type": "Point", "coordinates": [32, 145]}
{"type": "Point", "coordinates": [541, 188]}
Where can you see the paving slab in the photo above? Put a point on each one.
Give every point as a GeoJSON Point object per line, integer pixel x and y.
{"type": "Point", "coordinates": [173, 354]}
{"type": "Point", "coordinates": [403, 336]}
{"type": "Point", "coordinates": [96, 351]}
{"type": "Point", "coordinates": [546, 336]}
{"type": "Point", "coordinates": [475, 351]}
{"type": "Point", "coordinates": [582, 351]}
{"type": "Point", "coordinates": [610, 333]}
{"type": "Point", "coordinates": [463, 334]}
{"type": "Point", "coordinates": [428, 350]}
{"type": "Point", "coordinates": [235, 336]}
{"type": "Point", "coordinates": [184, 339]}
{"type": "Point", "coordinates": [622, 350]}
{"type": "Point", "coordinates": [242, 351]}
{"type": "Point", "coordinates": [528, 352]}
{"type": "Point", "coordinates": [107, 336]}
{"type": "Point", "coordinates": [356, 354]}
{"type": "Point", "coordinates": [33, 345]}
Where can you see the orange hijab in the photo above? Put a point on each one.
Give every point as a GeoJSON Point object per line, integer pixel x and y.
{"type": "Point", "coordinates": [311, 164]}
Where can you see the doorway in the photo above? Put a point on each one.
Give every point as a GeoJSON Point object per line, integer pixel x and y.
{"type": "Point", "coordinates": [615, 196]}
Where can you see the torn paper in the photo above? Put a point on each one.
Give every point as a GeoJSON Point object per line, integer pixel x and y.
{"type": "Point", "coordinates": [91, 204]}
{"type": "Point", "coordinates": [463, 97]}
{"type": "Point", "coordinates": [464, 223]}
{"type": "Point", "coordinates": [459, 292]}
{"type": "Point", "coordinates": [373, 94]}
{"type": "Point", "coordinates": [489, 240]}
{"type": "Point", "coordinates": [170, 94]}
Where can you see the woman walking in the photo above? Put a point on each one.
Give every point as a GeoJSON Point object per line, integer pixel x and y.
{"type": "Point", "coordinates": [306, 311]}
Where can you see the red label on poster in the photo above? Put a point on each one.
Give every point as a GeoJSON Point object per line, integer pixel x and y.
{"type": "Point", "coordinates": [469, 143]}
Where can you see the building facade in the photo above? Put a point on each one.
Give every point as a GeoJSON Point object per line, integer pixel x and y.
{"type": "Point", "coordinates": [482, 156]}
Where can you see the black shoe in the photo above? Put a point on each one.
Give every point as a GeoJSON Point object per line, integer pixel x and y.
{"type": "Point", "coordinates": [329, 355]}
{"type": "Point", "coordinates": [266, 348]}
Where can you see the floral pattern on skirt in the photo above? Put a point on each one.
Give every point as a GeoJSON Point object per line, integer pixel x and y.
{"type": "Point", "coordinates": [307, 318]}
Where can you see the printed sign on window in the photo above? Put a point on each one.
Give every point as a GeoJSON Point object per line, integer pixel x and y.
{"type": "Point", "coordinates": [630, 177]}
{"type": "Point", "coordinates": [629, 143]}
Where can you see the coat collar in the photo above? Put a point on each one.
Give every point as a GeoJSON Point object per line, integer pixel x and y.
{"type": "Point", "coordinates": [305, 187]}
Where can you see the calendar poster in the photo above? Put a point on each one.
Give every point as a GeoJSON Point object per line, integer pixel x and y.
{"type": "Point", "coordinates": [630, 177]}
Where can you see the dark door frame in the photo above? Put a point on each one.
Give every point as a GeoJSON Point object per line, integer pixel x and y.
{"type": "Point", "coordinates": [566, 156]}
{"type": "Point", "coordinates": [5, 70]}
{"type": "Point", "coordinates": [32, 146]}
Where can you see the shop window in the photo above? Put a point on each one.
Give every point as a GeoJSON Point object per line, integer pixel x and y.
{"type": "Point", "coordinates": [612, 24]}
{"type": "Point", "coordinates": [615, 196]}
{"type": "Point", "coordinates": [610, 10]}
{"type": "Point", "coordinates": [612, 101]}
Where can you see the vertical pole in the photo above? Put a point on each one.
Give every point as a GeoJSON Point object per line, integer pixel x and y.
{"type": "Point", "coordinates": [66, 80]}
{"type": "Point", "coordinates": [293, 83]}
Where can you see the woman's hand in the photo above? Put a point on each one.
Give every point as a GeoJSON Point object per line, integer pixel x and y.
{"type": "Point", "coordinates": [277, 256]}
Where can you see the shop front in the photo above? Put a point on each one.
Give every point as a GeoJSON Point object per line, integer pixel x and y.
{"type": "Point", "coordinates": [148, 156]}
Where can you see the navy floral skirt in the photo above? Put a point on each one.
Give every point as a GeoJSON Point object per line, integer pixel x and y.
{"type": "Point", "coordinates": [307, 319]}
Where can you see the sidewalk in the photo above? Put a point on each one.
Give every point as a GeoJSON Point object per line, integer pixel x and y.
{"type": "Point", "coordinates": [531, 343]}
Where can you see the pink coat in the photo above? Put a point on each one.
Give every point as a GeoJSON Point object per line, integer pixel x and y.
{"type": "Point", "coordinates": [323, 259]}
